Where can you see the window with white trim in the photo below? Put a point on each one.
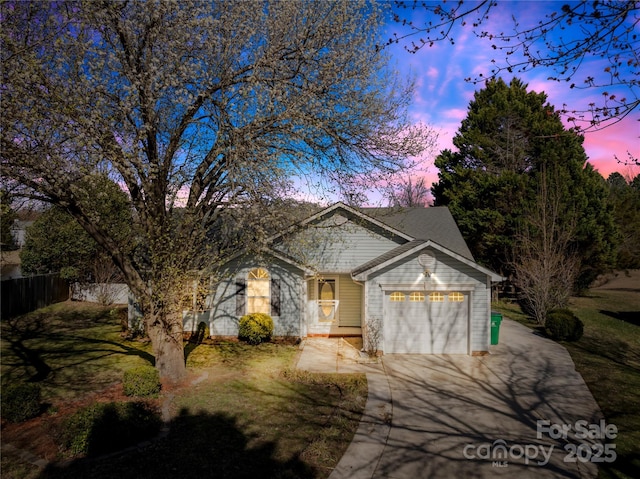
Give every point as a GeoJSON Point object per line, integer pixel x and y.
{"type": "Point", "coordinates": [258, 291]}
{"type": "Point", "coordinates": [416, 296]}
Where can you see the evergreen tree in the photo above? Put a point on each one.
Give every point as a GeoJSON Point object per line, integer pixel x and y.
{"type": "Point", "coordinates": [56, 243]}
{"type": "Point", "coordinates": [7, 218]}
{"type": "Point", "coordinates": [511, 139]}
{"type": "Point", "coordinates": [625, 198]}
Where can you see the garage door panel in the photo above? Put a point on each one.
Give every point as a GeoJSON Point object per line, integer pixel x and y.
{"type": "Point", "coordinates": [427, 327]}
{"type": "Point", "coordinates": [410, 328]}
{"type": "Point", "coordinates": [449, 327]}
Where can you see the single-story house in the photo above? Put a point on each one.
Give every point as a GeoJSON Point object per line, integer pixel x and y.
{"type": "Point", "coordinates": [402, 278]}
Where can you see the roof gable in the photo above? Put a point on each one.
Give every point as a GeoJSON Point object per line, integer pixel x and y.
{"type": "Point", "coordinates": [434, 223]}
{"type": "Point", "coordinates": [339, 242]}
{"type": "Point", "coordinates": [357, 216]}
{"type": "Point", "coordinates": [362, 272]}
{"type": "Point", "coordinates": [412, 229]}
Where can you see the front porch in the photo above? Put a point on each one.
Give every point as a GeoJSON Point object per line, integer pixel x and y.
{"type": "Point", "coordinates": [334, 306]}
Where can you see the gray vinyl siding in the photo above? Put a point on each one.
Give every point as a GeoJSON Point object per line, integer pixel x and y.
{"type": "Point", "coordinates": [224, 317]}
{"type": "Point", "coordinates": [337, 249]}
{"type": "Point", "coordinates": [447, 273]}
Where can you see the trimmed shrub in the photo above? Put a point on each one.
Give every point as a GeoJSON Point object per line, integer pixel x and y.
{"type": "Point", "coordinates": [20, 401]}
{"type": "Point", "coordinates": [143, 381]}
{"type": "Point", "coordinates": [255, 328]}
{"type": "Point", "coordinates": [106, 427]}
{"type": "Point", "coordinates": [563, 325]}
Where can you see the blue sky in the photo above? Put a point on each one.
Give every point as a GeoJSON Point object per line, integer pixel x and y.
{"type": "Point", "coordinates": [442, 95]}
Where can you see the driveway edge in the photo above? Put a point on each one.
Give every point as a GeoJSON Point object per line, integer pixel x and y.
{"type": "Point", "coordinates": [363, 454]}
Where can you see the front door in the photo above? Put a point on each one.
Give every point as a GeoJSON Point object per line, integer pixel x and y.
{"type": "Point", "coordinates": [327, 300]}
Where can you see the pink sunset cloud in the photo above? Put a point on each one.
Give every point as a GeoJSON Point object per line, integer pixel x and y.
{"type": "Point", "coordinates": [608, 149]}
{"type": "Point", "coordinates": [442, 94]}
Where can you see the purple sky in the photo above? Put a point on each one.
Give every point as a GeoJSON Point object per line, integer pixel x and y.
{"type": "Point", "coordinates": [442, 96]}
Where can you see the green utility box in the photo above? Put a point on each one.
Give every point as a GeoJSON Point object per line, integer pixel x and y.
{"type": "Point", "coordinates": [496, 319]}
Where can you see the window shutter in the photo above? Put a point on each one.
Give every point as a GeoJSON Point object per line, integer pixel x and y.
{"type": "Point", "coordinates": [241, 297]}
{"type": "Point", "coordinates": [275, 297]}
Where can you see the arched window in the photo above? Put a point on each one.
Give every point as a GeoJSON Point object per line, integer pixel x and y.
{"type": "Point", "coordinates": [416, 296]}
{"type": "Point", "coordinates": [436, 297]}
{"type": "Point", "coordinates": [258, 291]}
{"type": "Point", "coordinates": [456, 297]}
{"type": "Point", "coordinates": [396, 296]}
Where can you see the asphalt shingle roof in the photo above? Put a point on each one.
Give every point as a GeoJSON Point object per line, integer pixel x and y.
{"type": "Point", "coordinates": [434, 223]}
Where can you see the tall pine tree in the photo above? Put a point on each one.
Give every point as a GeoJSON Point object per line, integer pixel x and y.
{"type": "Point", "coordinates": [510, 138]}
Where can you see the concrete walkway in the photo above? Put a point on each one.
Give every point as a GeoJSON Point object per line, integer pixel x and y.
{"type": "Point", "coordinates": [460, 416]}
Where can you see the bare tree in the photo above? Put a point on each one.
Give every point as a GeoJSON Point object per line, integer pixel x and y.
{"type": "Point", "coordinates": [408, 193]}
{"type": "Point", "coordinates": [195, 108]}
{"type": "Point", "coordinates": [106, 278]}
{"type": "Point", "coordinates": [561, 41]}
{"type": "Point", "coordinates": [544, 264]}
{"type": "Point", "coordinates": [372, 337]}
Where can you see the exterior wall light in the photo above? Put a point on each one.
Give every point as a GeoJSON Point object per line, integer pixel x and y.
{"type": "Point", "coordinates": [428, 261]}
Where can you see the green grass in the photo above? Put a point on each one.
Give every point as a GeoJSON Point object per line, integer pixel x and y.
{"type": "Point", "coordinates": [70, 349]}
{"type": "Point", "coordinates": [245, 413]}
{"type": "Point", "coordinates": [608, 358]}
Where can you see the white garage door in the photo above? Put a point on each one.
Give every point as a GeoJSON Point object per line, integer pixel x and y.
{"type": "Point", "coordinates": [426, 322]}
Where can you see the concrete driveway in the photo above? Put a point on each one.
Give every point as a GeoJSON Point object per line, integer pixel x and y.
{"type": "Point", "coordinates": [476, 417]}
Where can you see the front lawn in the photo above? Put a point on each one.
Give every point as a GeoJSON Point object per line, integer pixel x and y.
{"type": "Point", "coordinates": [69, 349]}
{"type": "Point", "coordinates": [608, 358]}
{"type": "Point", "coordinates": [244, 412]}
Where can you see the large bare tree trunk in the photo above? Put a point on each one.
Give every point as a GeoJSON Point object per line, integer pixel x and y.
{"type": "Point", "coordinates": [165, 331]}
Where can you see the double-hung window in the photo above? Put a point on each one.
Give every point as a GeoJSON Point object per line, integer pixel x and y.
{"type": "Point", "coordinates": [258, 293]}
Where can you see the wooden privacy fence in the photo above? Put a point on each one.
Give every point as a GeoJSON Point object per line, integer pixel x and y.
{"type": "Point", "coordinates": [22, 295]}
